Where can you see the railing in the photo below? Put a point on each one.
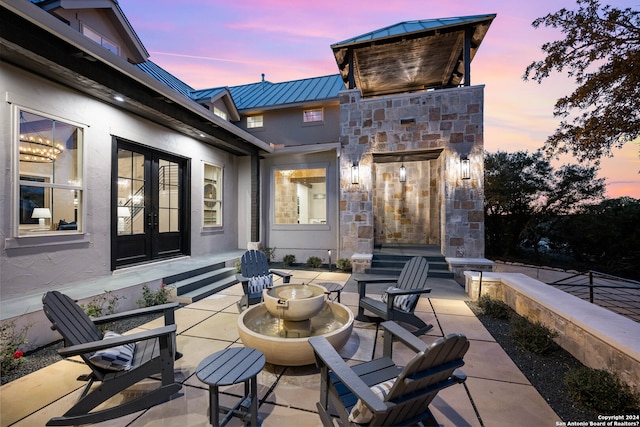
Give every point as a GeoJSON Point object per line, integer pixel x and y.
{"type": "Point", "coordinates": [617, 294]}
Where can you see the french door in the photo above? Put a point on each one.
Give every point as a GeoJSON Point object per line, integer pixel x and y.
{"type": "Point", "coordinates": [149, 205]}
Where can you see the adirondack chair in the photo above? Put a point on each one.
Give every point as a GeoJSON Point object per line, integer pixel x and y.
{"type": "Point", "coordinates": [255, 277]}
{"type": "Point", "coordinates": [379, 393]}
{"type": "Point", "coordinates": [399, 301]}
{"type": "Point", "coordinates": [153, 353]}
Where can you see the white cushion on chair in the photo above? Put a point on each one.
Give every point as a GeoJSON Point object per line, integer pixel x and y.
{"type": "Point", "coordinates": [360, 414]}
{"type": "Point", "coordinates": [258, 283]}
{"type": "Point", "coordinates": [116, 358]}
{"type": "Point", "coordinates": [402, 302]}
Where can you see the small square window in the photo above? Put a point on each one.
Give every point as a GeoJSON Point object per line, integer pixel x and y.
{"type": "Point", "coordinates": [313, 115]}
{"type": "Point", "coordinates": [218, 112]}
{"type": "Point", "coordinates": [254, 122]}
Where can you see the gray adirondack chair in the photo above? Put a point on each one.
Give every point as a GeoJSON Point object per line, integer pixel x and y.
{"type": "Point", "coordinates": [154, 354]}
{"type": "Point", "coordinates": [253, 264]}
{"type": "Point", "coordinates": [345, 390]}
{"type": "Point", "coordinates": [408, 287]}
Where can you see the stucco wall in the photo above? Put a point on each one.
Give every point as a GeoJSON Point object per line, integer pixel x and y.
{"type": "Point", "coordinates": [442, 207]}
{"type": "Point", "coordinates": [36, 264]}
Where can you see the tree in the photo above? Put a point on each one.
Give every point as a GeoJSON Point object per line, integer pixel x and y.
{"type": "Point", "coordinates": [525, 197]}
{"type": "Point", "coordinates": [601, 51]}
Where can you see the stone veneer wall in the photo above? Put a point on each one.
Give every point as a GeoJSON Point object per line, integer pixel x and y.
{"type": "Point", "coordinates": [443, 208]}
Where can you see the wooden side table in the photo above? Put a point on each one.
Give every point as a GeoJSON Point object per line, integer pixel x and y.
{"type": "Point", "coordinates": [228, 367]}
{"type": "Point", "coordinates": [333, 288]}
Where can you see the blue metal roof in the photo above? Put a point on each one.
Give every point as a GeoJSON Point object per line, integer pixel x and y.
{"type": "Point", "coordinates": [409, 27]}
{"type": "Point", "coordinates": [166, 78]}
{"type": "Point", "coordinates": [206, 94]}
{"type": "Point", "coordinates": [265, 94]}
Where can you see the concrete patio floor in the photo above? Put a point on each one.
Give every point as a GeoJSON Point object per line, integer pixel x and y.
{"type": "Point", "coordinates": [496, 393]}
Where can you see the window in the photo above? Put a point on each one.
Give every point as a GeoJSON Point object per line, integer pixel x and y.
{"type": "Point", "coordinates": [50, 175]}
{"type": "Point", "coordinates": [254, 122]}
{"type": "Point", "coordinates": [218, 112]}
{"type": "Point", "coordinates": [313, 115]}
{"type": "Point", "coordinates": [300, 196]}
{"type": "Point", "coordinates": [212, 209]}
{"type": "Point", "coordinates": [101, 40]}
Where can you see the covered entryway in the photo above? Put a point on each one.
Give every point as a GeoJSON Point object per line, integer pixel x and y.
{"type": "Point", "coordinates": [149, 199]}
{"type": "Point", "coordinates": [405, 198]}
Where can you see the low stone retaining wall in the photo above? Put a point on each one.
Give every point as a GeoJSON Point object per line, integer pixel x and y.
{"type": "Point", "coordinates": [597, 337]}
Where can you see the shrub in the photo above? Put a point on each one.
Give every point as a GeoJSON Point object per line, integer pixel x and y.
{"type": "Point", "coordinates": [343, 264]}
{"type": "Point", "coordinates": [151, 298]}
{"type": "Point", "coordinates": [289, 259]}
{"type": "Point", "coordinates": [10, 341]}
{"type": "Point", "coordinates": [270, 253]}
{"type": "Point", "coordinates": [238, 266]}
{"type": "Point", "coordinates": [102, 305]}
{"type": "Point", "coordinates": [314, 262]}
{"type": "Point", "coordinates": [601, 391]}
{"type": "Point", "coordinates": [493, 307]}
{"type": "Point", "coordinates": [534, 337]}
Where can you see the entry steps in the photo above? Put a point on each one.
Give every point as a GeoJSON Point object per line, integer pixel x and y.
{"type": "Point", "coordinates": [194, 285]}
{"type": "Point", "coordinates": [390, 264]}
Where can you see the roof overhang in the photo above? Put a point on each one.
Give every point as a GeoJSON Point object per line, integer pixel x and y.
{"type": "Point", "coordinates": [411, 56]}
{"type": "Point", "coordinates": [32, 39]}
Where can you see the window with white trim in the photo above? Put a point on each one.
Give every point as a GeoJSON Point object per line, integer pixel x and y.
{"type": "Point", "coordinates": [50, 182]}
{"type": "Point", "coordinates": [312, 115]}
{"type": "Point", "coordinates": [212, 189]}
{"type": "Point", "coordinates": [100, 39]}
{"type": "Point", "coordinates": [254, 122]}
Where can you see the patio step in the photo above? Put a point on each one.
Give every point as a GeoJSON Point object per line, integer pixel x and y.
{"type": "Point", "coordinates": [392, 264]}
{"type": "Point", "coordinates": [197, 284]}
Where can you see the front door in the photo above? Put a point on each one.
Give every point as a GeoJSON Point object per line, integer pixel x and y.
{"type": "Point", "coordinates": [149, 200]}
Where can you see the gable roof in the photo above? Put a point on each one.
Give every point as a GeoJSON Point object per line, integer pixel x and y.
{"type": "Point", "coordinates": [114, 13]}
{"type": "Point", "coordinates": [209, 96]}
{"type": "Point", "coordinates": [412, 55]}
{"type": "Point", "coordinates": [266, 95]}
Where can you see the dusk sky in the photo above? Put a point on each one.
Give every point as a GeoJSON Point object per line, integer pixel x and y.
{"type": "Point", "coordinates": [212, 43]}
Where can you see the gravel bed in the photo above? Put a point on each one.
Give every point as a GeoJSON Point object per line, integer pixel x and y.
{"type": "Point", "coordinates": [545, 372]}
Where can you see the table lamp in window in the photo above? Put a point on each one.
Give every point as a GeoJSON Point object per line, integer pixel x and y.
{"type": "Point", "coordinates": [42, 214]}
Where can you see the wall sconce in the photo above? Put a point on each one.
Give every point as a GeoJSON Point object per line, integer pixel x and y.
{"type": "Point", "coordinates": [355, 174]}
{"type": "Point", "coordinates": [41, 214]}
{"type": "Point", "coordinates": [465, 168]}
{"type": "Point", "coordinates": [403, 173]}
{"type": "Point", "coordinates": [329, 254]}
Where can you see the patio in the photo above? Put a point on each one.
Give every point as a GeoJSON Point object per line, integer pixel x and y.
{"type": "Point", "coordinates": [496, 393]}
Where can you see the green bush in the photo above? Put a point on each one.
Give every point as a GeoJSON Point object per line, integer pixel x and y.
{"type": "Point", "coordinates": [494, 308]}
{"type": "Point", "coordinates": [343, 264]}
{"type": "Point", "coordinates": [314, 262]}
{"type": "Point", "coordinates": [601, 391]}
{"type": "Point", "coordinates": [102, 305]}
{"type": "Point", "coordinates": [532, 336]}
{"type": "Point", "coordinates": [288, 260]}
{"type": "Point", "coordinates": [270, 253]}
{"type": "Point", "coordinates": [151, 298]}
{"type": "Point", "coordinates": [10, 341]}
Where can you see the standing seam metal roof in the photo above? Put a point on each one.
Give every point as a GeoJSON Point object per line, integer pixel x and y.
{"type": "Point", "coordinates": [266, 94]}
{"type": "Point", "coordinates": [412, 27]}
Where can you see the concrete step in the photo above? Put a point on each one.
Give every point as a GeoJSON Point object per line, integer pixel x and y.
{"type": "Point", "coordinates": [200, 283]}
{"type": "Point", "coordinates": [391, 264]}
{"type": "Point", "coordinates": [206, 290]}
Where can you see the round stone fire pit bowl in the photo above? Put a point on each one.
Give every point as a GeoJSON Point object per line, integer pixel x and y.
{"type": "Point", "coordinates": [261, 330]}
{"type": "Point", "coordinates": [295, 302]}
